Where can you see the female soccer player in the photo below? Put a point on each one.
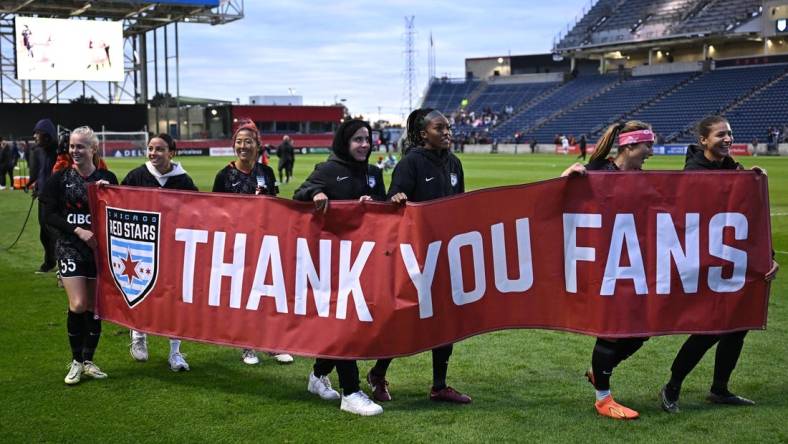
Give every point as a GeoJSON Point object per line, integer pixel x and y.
{"type": "Point", "coordinates": [635, 140]}
{"type": "Point", "coordinates": [428, 171]}
{"type": "Point", "coordinates": [711, 153]}
{"type": "Point", "coordinates": [245, 175]}
{"type": "Point", "coordinates": [346, 175]}
{"type": "Point", "coordinates": [65, 200]}
{"type": "Point", "coordinates": [159, 172]}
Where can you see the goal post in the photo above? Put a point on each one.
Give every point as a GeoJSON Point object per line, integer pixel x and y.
{"type": "Point", "coordinates": [122, 143]}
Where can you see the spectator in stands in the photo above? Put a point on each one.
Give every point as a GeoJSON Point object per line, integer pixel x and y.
{"type": "Point", "coordinates": [635, 140]}
{"type": "Point", "coordinates": [64, 199]}
{"type": "Point", "coordinates": [360, 181]}
{"type": "Point", "coordinates": [286, 155]}
{"type": "Point", "coordinates": [711, 153]}
{"type": "Point", "coordinates": [429, 135]}
{"type": "Point", "coordinates": [159, 172]}
{"type": "Point", "coordinates": [41, 161]}
{"type": "Point", "coordinates": [245, 175]}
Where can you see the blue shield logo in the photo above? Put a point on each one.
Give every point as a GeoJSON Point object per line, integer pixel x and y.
{"type": "Point", "coordinates": [133, 251]}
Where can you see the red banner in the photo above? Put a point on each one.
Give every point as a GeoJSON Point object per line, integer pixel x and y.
{"type": "Point", "coordinates": [610, 254]}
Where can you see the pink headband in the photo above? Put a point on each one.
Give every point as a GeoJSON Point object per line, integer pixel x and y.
{"type": "Point", "coordinates": [637, 136]}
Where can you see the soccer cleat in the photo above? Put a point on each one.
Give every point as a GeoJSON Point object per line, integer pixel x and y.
{"type": "Point", "coordinates": [379, 387]}
{"type": "Point", "coordinates": [74, 373]}
{"type": "Point", "coordinates": [729, 399]}
{"type": "Point", "coordinates": [448, 394]}
{"type": "Point", "coordinates": [44, 268]}
{"type": "Point", "coordinates": [610, 408]}
{"type": "Point", "coordinates": [177, 362]}
{"type": "Point", "coordinates": [321, 387]}
{"type": "Point", "coordinates": [139, 346]}
{"type": "Point", "coordinates": [249, 357]}
{"type": "Point", "coordinates": [667, 403]}
{"type": "Point", "coordinates": [360, 404]}
{"type": "Point", "coordinates": [282, 358]}
{"type": "Point", "coordinates": [92, 370]}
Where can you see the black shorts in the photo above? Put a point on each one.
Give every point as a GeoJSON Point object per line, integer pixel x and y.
{"type": "Point", "coordinates": [78, 267]}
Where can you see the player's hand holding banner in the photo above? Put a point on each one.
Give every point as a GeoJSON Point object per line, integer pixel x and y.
{"type": "Point", "coordinates": [614, 255]}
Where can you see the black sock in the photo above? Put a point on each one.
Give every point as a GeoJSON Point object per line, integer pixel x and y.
{"type": "Point", "coordinates": [440, 366]}
{"type": "Point", "coordinates": [381, 367]}
{"type": "Point", "coordinates": [602, 362]}
{"type": "Point", "coordinates": [75, 325]}
{"type": "Point", "coordinates": [92, 335]}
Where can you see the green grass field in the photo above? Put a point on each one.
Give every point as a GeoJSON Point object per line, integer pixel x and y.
{"type": "Point", "coordinates": [527, 385]}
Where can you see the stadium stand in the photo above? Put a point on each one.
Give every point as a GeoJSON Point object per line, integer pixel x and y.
{"type": "Point", "coordinates": [564, 97]}
{"type": "Point", "coordinates": [446, 95]}
{"type": "Point", "coordinates": [593, 115]}
{"type": "Point", "coordinates": [765, 108]}
{"type": "Point", "coordinates": [675, 115]}
{"type": "Point", "coordinates": [611, 21]}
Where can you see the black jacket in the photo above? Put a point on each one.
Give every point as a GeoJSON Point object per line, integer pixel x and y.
{"type": "Point", "coordinates": [342, 180]}
{"type": "Point", "coordinates": [42, 160]}
{"type": "Point", "coordinates": [65, 202]}
{"type": "Point", "coordinates": [695, 160]}
{"type": "Point", "coordinates": [427, 174]}
{"type": "Point", "coordinates": [142, 177]}
{"type": "Point", "coordinates": [232, 180]}
{"type": "Point", "coordinates": [285, 153]}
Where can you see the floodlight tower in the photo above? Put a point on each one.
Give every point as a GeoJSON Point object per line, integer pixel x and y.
{"type": "Point", "coordinates": [409, 74]}
{"type": "Point", "coordinates": [431, 60]}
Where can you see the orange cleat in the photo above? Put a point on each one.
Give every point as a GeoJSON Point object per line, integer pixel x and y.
{"type": "Point", "coordinates": [610, 408]}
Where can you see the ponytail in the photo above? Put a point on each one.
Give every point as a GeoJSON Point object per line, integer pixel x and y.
{"type": "Point", "coordinates": [610, 137]}
{"type": "Point", "coordinates": [605, 142]}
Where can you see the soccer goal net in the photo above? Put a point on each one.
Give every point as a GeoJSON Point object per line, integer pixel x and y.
{"type": "Point", "coordinates": [122, 144]}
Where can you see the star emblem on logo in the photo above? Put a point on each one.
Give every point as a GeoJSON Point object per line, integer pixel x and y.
{"type": "Point", "coordinates": [129, 267]}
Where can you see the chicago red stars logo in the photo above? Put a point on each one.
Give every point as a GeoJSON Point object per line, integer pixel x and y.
{"type": "Point", "coordinates": [133, 249]}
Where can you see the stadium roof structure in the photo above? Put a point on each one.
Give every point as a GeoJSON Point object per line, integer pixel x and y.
{"type": "Point", "coordinates": [611, 25]}
{"type": "Point", "coordinates": [138, 16]}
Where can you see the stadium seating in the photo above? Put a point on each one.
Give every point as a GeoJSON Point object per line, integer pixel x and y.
{"type": "Point", "coordinates": [564, 97]}
{"type": "Point", "coordinates": [592, 116]}
{"type": "Point", "coordinates": [497, 97]}
{"type": "Point", "coordinates": [764, 109]}
{"type": "Point", "coordinates": [446, 95]}
{"type": "Point", "coordinates": [674, 116]}
{"type": "Point", "coordinates": [611, 21]}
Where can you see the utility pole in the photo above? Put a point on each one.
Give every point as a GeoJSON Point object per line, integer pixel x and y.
{"type": "Point", "coordinates": [409, 74]}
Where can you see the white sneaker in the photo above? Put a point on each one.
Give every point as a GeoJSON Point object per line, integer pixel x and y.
{"type": "Point", "coordinates": [360, 404]}
{"type": "Point", "coordinates": [321, 387]}
{"type": "Point", "coordinates": [74, 373]}
{"type": "Point", "coordinates": [249, 357]}
{"type": "Point", "coordinates": [177, 363]}
{"type": "Point", "coordinates": [282, 358]}
{"type": "Point", "coordinates": [92, 370]}
{"type": "Point", "coordinates": [139, 346]}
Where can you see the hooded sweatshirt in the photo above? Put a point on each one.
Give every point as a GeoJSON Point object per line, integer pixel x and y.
{"type": "Point", "coordinates": [342, 177]}
{"type": "Point", "coordinates": [695, 160]}
{"type": "Point", "coordinates": [425, 174]}
{"type": "Point", "coordinates": [147, 175]}
{"type": "Point", "coordinates": [43, 158]}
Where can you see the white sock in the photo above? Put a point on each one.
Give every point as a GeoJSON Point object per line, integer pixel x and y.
{"type": "Point", "coordinates": [602, 394]}
{"type": "Point", "coordinates": [175, 346]}
{"type": "Point", "coordinates": [138, 334]}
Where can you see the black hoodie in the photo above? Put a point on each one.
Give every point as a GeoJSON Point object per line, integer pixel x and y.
{"type": "Point", "coordinates": [427, 174]}
{"type": "Point", "coordinates": [695, 160]}
{"type": "Point", "coordinates": [341, 177]}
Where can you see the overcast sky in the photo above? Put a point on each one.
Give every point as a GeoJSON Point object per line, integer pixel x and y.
{"type": "Point", "coordinates": [354, 50]}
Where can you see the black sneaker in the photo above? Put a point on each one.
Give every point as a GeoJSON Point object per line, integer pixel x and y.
{"type": "Point", "coordinates": [667, 403]}
{"type": "Point", "coordinates": [728, 399]}
{"type": "Point", "coordinates": [45, 268]}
